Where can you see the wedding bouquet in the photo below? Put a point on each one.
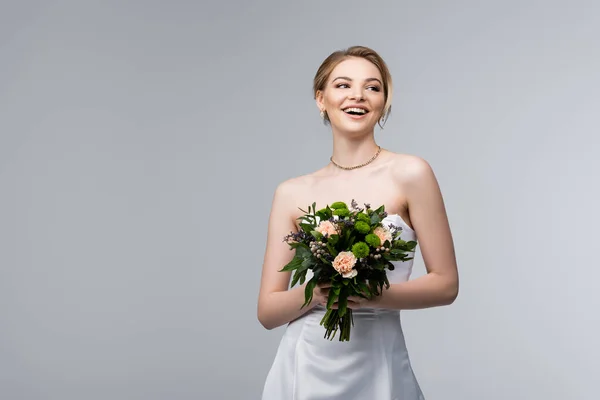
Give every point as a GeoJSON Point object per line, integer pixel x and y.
{"type": "Point", "coordinates": [349, 248]}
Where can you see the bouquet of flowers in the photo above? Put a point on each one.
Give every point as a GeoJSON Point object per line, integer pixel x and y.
{"type": "Point", "coordinates": [349, 248]}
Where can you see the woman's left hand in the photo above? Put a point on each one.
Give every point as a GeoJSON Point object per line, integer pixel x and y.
{"type": "Point", "coordinates": [355, 303]}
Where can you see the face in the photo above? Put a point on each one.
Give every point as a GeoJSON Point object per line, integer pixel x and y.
{"type": "Point", "coordinates": [353, 96]}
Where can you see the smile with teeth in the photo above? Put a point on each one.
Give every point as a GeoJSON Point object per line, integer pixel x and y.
{"type": "Point", "coordinates": [355, 111]}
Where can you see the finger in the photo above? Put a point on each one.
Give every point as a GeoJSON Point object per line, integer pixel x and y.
{"type": "Point", "coordinates": [351, 304]}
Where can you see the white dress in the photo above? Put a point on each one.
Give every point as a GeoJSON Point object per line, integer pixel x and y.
{"type": "Point", "coordinates": [373, 365]}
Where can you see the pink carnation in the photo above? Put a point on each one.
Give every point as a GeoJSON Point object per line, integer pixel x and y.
{"type": "Point", "coordinates": [326, 227]}
{"type": "Point", "coordinates": [383, 234]}
{"type": "Point", "coordinates": [344, 263]}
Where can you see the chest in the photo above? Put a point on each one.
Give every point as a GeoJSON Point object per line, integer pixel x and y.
{"type": "Point", "coordinates": [375, 191]}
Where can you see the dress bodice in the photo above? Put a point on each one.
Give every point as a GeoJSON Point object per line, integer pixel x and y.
{"type": "Point", "coordinates": [403, 269]}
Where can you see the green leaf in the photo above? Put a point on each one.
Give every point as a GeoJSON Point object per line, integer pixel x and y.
{"type": "Point", "coordinates": [306, 227]}
{"type": "Point", "coordinates": [308, 291]}
{"type": "Point", "coordinates": [324, 213]}
{"type": "Point", "coordinates": [364, 288]}
{"type": "Point", "coordinates": [375, 219]}
{"type": "Point", "coordinates": [295, 278]}
{"type": "Point", "coordinates": [316, 234]}
{"type": "Point", "coordinates": [304, 211]}
{"type": "Point", "coordinates": [302, 277]}
{"type": "Point", "coordinates": [332, 250]}
{"type": "Point", "coordinates": [306, 217]}
{"type": "Point", "coordinates": [303, 252]}
{"type": "Point", "coordinates": [348, 235]}
{"type": "Point", "coordinates": [333, 239]}
{"type": "Point", "coordinates": [332, 298]}
{"type": "Point", "coordinates": [324, 261]}
{"type": "Point", "coordinates": [317, 270]}
{"type": "Point", "coordinates": [295, 263]}
{"type": "Point", "coordinates": [342, 304]}
{"type": "Point", "coordinates": [387, 283]}
{"type": "Point", "coordinates": [299, 276]}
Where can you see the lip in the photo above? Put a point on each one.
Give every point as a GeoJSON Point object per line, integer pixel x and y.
{"type": "Point", "coordinates": [355, 116]}
{"type": "Point", "coordinates": [355, 106]}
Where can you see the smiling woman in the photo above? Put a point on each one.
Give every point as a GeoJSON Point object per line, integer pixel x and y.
{"type": "Point", "coordinates": [353, 91]}
{"type": "Point", "coordinates": [358, 61]}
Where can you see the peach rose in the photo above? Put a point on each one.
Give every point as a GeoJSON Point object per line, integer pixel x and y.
{"type": "Point", "coordinates": [344, 263]}
{"type": "Point", "coordinates": [350, 274]}
{"type": "Point", "coordinates": [326, 227]}
{"type": "Point", "coordinates": [383, 233]}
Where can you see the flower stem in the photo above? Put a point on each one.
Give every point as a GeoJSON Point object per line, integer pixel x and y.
{"type": "Point", "coordinates": [332, 322]}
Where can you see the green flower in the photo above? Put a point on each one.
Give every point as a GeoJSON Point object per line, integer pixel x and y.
{"type": "Point", "coordinates": [360, 250]}
{"type": "Point", "coordinates": [373, 240]}
{"type": "Point", "coordinates": [342, 212]}
{"type": "Point", "coordinates": [362, 227]}
{"type": "Point", "coordinates": [363, 217]}
{"type": "Point", "coordinates": [338, 205]}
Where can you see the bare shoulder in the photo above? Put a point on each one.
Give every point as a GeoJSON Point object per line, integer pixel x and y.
{"type": "Point", "coordinates": [287, 193]}
{"type": "Point", "coordinates": [410, 169]}
{"type": "Point", "coordinates": [289, 188]}
{"type": "Point", "coordinates": [424, 198]}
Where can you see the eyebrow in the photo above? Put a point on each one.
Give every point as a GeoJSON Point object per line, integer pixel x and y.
{"type": "Point", "coordinates": [349, 79]}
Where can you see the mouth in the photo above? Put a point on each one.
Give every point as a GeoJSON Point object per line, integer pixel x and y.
{"type": "Point", "coordinates": [355, 111]}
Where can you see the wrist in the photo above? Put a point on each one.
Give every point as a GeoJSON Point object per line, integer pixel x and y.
{"type": "Point", "coordinates": [375, 301]}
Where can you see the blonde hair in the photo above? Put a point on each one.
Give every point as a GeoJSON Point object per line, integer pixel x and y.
{"type": "Point", "coordinates": [329, 64]}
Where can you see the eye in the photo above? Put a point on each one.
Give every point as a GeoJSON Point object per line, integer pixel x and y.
{"type": "Point", "coordinates": [374, 88]}
{"type": "Point", "coordinates": [339, 85]}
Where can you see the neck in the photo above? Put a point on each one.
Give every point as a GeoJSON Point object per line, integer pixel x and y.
{"type": "Point", "coordinates": [348, 151]}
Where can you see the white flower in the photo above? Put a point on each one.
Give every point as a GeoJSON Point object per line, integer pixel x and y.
{"type": "Point", "coordinates": [383, 233]}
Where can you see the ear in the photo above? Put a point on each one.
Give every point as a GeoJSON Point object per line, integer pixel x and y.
{"type": "Point", "coordinates": [319, 100]}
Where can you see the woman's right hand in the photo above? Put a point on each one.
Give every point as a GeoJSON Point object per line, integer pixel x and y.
{"type": "Point", "coordinates": [320, 294]}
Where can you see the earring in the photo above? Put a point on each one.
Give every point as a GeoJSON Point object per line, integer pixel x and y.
{"type": "Point", "coordinates": [322, 114]}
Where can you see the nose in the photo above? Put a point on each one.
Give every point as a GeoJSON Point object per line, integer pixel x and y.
{"type": "Point", "coordinates": [356, 94]}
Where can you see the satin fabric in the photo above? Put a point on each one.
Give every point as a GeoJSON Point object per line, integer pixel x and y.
{"type": "Point", "coordinates": [373, 365]}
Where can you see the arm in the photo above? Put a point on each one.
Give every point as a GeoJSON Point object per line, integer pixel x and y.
{"type": "Point", "coordinates": [276, 304]}
{"type": "Point", "coordinates": [428, 216]}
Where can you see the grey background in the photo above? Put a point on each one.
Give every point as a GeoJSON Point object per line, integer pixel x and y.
{"type": "Point", "coordinates": [140, 144]}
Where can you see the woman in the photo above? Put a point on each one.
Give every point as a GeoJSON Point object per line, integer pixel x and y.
{"type": "Point", "coordinates": [353, 91]}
